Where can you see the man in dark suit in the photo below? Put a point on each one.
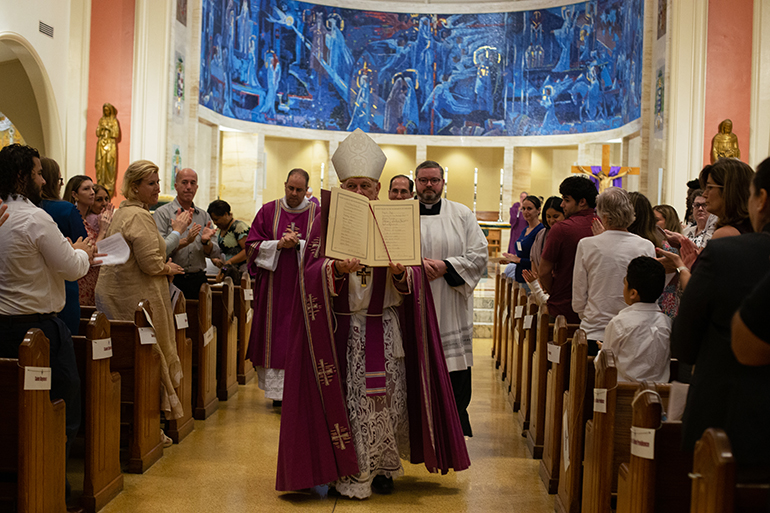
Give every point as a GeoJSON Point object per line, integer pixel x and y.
{"type": "Point", "coordinates": [724, 393]}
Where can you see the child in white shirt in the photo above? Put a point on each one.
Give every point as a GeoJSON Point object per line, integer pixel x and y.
{"type": "Point", "coordinates": [639, 335]}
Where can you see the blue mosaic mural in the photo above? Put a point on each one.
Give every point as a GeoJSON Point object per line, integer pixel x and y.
{"type": "Point", "coordinates": [563, 70]}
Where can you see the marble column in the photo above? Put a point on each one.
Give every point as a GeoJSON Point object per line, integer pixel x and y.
{"type": "Point", "coordinates": [331, 177]}
{"type": "Point", "coordinates": [420, 154]}
{"type": "Point", "coordinates": [241, 155]}
{"type": "Point", "coordinates": [521, 180]}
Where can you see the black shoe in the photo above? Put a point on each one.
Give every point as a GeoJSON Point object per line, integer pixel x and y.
{"type": "Point", "coordinates": [277, 404]}
{"type": "Point", "coordinates": [382, 485]}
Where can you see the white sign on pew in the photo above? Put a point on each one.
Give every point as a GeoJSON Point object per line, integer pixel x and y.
{"type": "Point", "coordinates": [248, 294]}
{"type": "Point", "coordinates": [101, 348]}
{"type": "Point", "coordinates": [249, 315]}
{"type": "Point", "coordinates": [528, 321]}
{"type": "Point", "coordinates": [554, 352]}
{"type": "Point", "coordinates": [181, 321]}
{"type": "Point", "coordinates": [517, 314]}
{"type": "Point", "coordinates": [643, 442]}
{"type": "Point", "coordinates": [600, 400]}
{"type": "Point", "coordinates": [209, 335]}
{"type": "Point", "coordinates": [147, 336]}
{"type": "Point", "coordinates": [37, 378]}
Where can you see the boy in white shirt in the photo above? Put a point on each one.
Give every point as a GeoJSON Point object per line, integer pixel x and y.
{"type": "Point", "coordinates": [639, 335]}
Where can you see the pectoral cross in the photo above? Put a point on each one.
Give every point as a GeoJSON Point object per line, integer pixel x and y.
{"type": "Point", "coordinates": [364, 273]}
{"type": "Point", "coordinates": [605, 175]}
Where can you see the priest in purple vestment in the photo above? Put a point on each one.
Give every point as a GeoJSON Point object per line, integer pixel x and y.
{"type": "Point", "coordinates": [518, 223]}
{"type": "Point", "coordinates": [273, 250]}
{"type": "Point", "coordinates": [366, 380]}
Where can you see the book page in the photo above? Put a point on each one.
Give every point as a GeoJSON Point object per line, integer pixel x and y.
{"type": "Point", "coordinates": [348, 231]}
{"type": "Point", "coordinates": [399, 223]}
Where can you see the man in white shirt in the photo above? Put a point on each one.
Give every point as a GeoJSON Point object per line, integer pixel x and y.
{"type": "Point", "coordinates": [600, 265]}
{"type": "Point", "coordinates": [35, 259]}
{"type": "Point", "coordinates": [639, 336]}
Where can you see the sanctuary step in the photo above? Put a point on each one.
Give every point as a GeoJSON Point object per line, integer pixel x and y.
{"type": "Point", "coordinates": [483, 307]}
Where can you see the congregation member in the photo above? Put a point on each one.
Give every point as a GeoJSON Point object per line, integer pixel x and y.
{"type": "Point", "coordinates": [530, 208]}
{"type": "Point", "coordinates": [724, 393]}
{"type": "Point", "coordinates": [701, 231]}
{"type": "Point", "coordinates": [311, 198]}
{"type": "Point", "coordinates": [750, 331]}
{"type": "Point", "coordinates": [35, 259]}
{"type": "Point", "coordinates": [231, 240]}
{"type": "Point", "coordinates": [725, 187]}
{"type": "Point", "coordinates": [518, 224]}
{"type": "Point", "coordinates": [67, 218]}
{"type": "Point", "coordinates": [145, 275]}
{"type": "Point", "coordinates": [80, 191]}
{"type": "Point", "coordinates": [666, 218]}
{"type": "Point", "coordinates": [189, 239]}
{"type": "Point", "coordinates": [639, 334]}
{"type": "Point", "coordinates": [362, 390]}
{"type": "Point", "coordinates": [454, 252]}
{"type": "Point", "coordinates": [101, 211]}
{"type": "Point", "coordinates": [273, 251]}
{"type": "Point", "coordinates": [558, 260]}
{"type": "Point", "coordinates": [601, 263]}
{"type": "Point", "coordinates": [401, 188]}
{"type": "Point", "coordinates": [552, 214]}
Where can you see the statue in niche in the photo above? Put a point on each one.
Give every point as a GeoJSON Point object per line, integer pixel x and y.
{"type": "Point", "coordinates": [108, 132]}
{"type": "Point", "coordinates": [725, 143]}
{"type": "Point", "coordinates": [8, 132]}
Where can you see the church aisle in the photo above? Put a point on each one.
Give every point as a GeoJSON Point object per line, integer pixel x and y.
{"type": "Point", "coordinates": [228, 464]}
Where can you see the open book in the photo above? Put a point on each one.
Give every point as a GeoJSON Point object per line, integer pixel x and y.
{"type": "Point", "coordinates": [375, 232]}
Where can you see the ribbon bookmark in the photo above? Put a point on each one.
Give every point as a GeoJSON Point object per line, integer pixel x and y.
{"type": "Point", "coordinates": [380, 231]}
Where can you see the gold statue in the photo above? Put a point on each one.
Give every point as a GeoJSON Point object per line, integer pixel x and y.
{"type": "Point", "coordinates": [8, 132]}
{"type": "Point", "coordinates": [108, 133]}
{"type": "Point", "coordinates": [725, 143]}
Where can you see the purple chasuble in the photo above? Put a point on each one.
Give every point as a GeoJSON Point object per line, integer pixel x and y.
{"type": "Point", "coordinates": [316, 446]}
{"type": "Point", "coordinates": [275, 292]}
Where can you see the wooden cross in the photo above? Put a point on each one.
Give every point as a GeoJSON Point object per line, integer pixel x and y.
{"type": "Point", "coordinates": [603, 174]}
{"type": "Point", "coordinates": [325, 372]}
{"type": "Point", "coordinates": [364, 273]}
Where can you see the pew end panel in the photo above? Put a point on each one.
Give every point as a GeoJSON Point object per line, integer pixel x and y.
{"type": "Point", "coordinates": [179, 428]}
{"type": "Point", "coordinates": [223, 316]}
{"type": "Point", "coordinates": [528, 345]}
{"type": "Point", "coordinates": [245, 313]}
{"type": "Point", "coordinates": [203, 334]}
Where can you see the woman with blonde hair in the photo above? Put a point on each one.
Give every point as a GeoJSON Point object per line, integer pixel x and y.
{"type": "Point", "coordinates": [145, 275]}
{"type": "Point", "coordinates": [667, 218]}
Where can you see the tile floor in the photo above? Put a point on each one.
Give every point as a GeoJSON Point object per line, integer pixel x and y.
{"type": "Point", "coordinates": [228, 464]}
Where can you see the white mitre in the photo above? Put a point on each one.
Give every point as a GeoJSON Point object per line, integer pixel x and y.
{"type": "Point", "coordinates": [358, 156]}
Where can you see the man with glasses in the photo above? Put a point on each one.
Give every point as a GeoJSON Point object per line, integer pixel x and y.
{"type": "Point", "coordinates": [454, 252]}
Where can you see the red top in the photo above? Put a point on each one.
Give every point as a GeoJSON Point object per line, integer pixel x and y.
{"type": "Point", "coordinates": [560, 248]}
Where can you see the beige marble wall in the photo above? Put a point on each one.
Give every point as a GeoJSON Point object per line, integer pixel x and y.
{"type": "Point", "coordinates": [239, 156]}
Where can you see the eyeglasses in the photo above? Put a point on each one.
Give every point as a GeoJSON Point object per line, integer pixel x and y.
{"type": "Point", "coordinates": [432, 181]}
{"type": "Point", "coordinates": [61, 181]}
{"type": "Point", "coordinates": [713, 186]}
{"type": "Point", "coordinates": [696, 206]}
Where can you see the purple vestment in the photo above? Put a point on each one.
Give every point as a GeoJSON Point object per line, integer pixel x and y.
{"type": "Point", "coordinates": [316, 445]}
{"type": "Point", "coordinates": [518, 223]}
{"type": "Point", "coordinates": [276, 291]}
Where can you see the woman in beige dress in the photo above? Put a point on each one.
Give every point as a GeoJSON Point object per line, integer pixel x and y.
{"type": "Point", "coordinates": [145, 275]}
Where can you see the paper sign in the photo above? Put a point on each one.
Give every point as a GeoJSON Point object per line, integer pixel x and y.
{"type": "Point", "coordinates": [249, 315]}
{"type": "Point", "coordinates": [115, 248]}
{"type": "Point", "coordinates": [208, 336]}
{"type": "Point", "coordinates": [518, 245]}
{"type": "Point", "coordinates": [519, 312]}
{"type": "Point", "coordinates": [147, 316]}
{"type": "Point", "coordinates": [174, 292]}
{"type": "Point", "coordinates": [101, 348]}
{"type": "Point", "coordinates": [147, 336]}
{"type": "Point", "coordinates": [528, 321]}
{"type": "Point", "coordinates": [643, 442]}
{"type": "Point", "coordinates": [181, 321]}
{"type": "Point", "coordinates": [600, 400]}
{"type": "Point", "coordinates": [37, 378]}
{"type": "Point", "coordinates": [248, 294]}
{"type": "Point", "coordinates": [554, 352]}
{"type": "Point", "coordinates": [565, 439]}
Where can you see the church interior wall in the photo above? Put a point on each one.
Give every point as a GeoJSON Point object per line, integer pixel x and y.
{"type": "Point", "coordinates": [401, 161]}
{"type": "Point", "coordinates": [760, 85]}
{"type": "Point", "coordinates": [19, 104]}
{"type": "Point", "coordinates": [283, 155]}
{"type": "Point", "coordinates": [462, 163]}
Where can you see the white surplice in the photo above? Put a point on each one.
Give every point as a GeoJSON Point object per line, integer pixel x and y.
{"type": "Point", "coordinates": [454, 235]}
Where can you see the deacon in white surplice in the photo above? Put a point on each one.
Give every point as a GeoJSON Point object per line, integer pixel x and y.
{"type": "Point", "coordinates": [454, 252]}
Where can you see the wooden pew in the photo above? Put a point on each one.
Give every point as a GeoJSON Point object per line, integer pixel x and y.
{"type": "Point", "coordinates": [100, 387]}
{"type": "Point", "coordinates": [577, 409]}
{"type": "Point", "coordinates": [495, 318]}
{"type": "Point", "coordinates": [607, 434]}
{"type": "Point", "coordinates": [202, 333]}
{"type": "Point", "coordinates": [139, 368]}
{"type": "Point", "coordinates": [508, 290]}
{"type": "Point", "coordinates": [660, 484]}
{"type": "Point", "coordinates": [716, 485]}
{"type": "Point", "coordinates": [557, 381]}
{"type": "Point", "coordinates": [245, 314]}
{"type": "Point", "coordinates": [32, 435]}
{"type": "Point", "coordinates": [516, 350]}
{"type": "Point", "coordinates": [223, 318]}
{"type": "Point", "coordinates": [179, 428]}
{"type": "Point", "coordinates": [529, 341]}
